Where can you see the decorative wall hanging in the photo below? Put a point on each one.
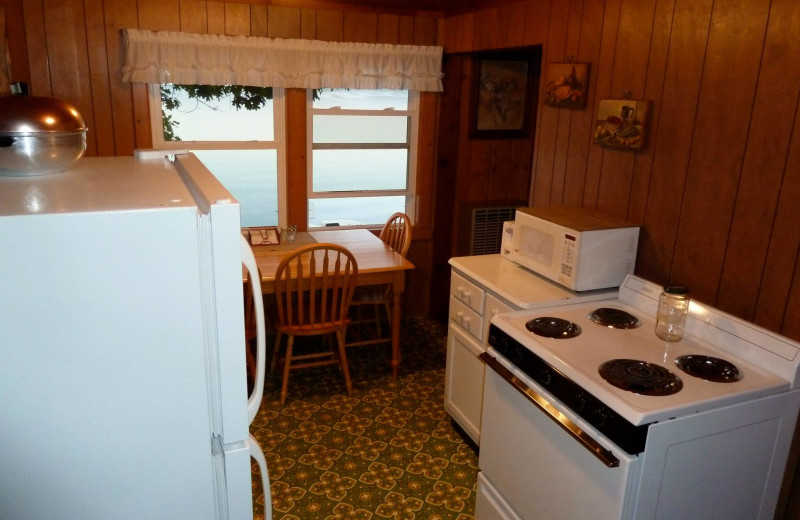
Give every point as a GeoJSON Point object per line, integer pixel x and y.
{"type": "Point", "coordinates": [621, 123]}
{"type": "Point", "coordinates": [502, 94]}
{"type": "Point", "coordinates": [565, 85]}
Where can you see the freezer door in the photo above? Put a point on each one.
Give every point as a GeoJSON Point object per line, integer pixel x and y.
{"type": "Point", "coordinates": [103, 387]}
{"type": "Point", "coordinates": [122, 352]}
{"type": "Point", "coordinates": [221, 272]}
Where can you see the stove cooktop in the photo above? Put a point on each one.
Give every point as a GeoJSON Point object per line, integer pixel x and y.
{"type": "Point", "coordinates": [579, 358]}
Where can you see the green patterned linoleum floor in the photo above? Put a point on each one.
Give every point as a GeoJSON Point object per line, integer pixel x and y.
{"type": "Point", "coordinates": [388, 451]}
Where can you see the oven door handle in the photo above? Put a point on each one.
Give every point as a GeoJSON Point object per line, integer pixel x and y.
{"type": "Point", "coordinates": [605, 456]}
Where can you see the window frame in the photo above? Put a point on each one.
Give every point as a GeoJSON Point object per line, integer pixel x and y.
{"type": "Point", "coordinates": [278, 144]}
{"type": "Point", "coordinates": [410, 191]}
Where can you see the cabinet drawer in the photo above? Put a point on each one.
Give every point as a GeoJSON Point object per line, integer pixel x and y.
{"type": "Point", "coordinates": [466, 292]}
{"type": "Point", "coordinates": [494, 305]}
{"type": "Point", "coordinates": [466, 318]}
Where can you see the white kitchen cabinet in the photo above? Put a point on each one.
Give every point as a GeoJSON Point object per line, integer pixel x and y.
{"type": "Point", "coordinates": [480, 287]}
{"type": "Point", "coordinates": [471, 309]}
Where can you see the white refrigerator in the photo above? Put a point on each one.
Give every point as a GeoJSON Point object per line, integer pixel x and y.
{"type": "Point", "coordinates": [123, 391]}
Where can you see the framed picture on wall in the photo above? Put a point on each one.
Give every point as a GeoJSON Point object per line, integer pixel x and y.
{"type": "Point", "coordinates": [565, 85]}
{"type": "Point", "coordinates": [621, 123]}
{"type": "Point", "coordinates": [504, 85]}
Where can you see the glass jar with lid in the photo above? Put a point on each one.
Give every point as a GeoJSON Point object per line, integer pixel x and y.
{"type": "Point", "coordinates": [673, 305]}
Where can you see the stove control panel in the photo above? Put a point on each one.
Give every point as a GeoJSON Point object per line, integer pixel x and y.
{"type": "Point", "coordinates": [627, 436]}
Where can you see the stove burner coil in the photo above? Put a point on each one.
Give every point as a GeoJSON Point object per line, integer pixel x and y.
{"type": "Point", "coordinates": [640, 377]}
{"type": "Point", "coordinates": [614, 318]}
{"type": "Point", "coordinates": [709, 368]}
{"type": "Point", "coordinates": [553, 328]}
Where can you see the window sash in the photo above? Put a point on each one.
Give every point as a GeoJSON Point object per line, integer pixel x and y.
{"type": "Point", "coordinates": [410, 145]}
{"type": "Point", "coordinates": [278, 144]}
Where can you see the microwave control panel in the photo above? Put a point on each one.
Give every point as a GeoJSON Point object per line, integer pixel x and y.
{"type": "Point", "coordinates": [568, 256]}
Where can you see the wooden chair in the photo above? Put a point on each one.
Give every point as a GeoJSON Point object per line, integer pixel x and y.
{"type": "Point", "coordinates": [313, 289]}
{"type": "Point", "coordinates": [396, 234]}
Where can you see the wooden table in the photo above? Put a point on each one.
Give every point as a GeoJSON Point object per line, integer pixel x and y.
{"type": "Point", "coordinates": [377, 264]}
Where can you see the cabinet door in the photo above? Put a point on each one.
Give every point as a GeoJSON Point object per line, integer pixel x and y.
{"type": "Point", "coordinates": [463, 393]}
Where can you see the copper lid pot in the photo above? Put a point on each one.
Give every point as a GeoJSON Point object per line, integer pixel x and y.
{"type": "Point", "coordinates": [39, 135]}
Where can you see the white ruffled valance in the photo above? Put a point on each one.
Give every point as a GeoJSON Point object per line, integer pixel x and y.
{"type": "Point", "coordinates": [208, 59]}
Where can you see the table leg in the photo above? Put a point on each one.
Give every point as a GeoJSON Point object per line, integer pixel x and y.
{"type": "Point", "coordinates": [396, 316]}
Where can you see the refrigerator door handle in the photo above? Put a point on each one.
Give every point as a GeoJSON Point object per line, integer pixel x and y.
{"type": "Point", "coordinates": [258, 455]}
{"type": "Point", "coordinates": [254, 278]}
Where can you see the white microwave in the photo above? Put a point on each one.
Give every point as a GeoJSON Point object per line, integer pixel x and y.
{"type": "Point", "coordinates": [579, 248]}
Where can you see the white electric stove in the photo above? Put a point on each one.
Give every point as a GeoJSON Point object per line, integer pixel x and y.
{"type": "Point", "coordinates": [623, 425]}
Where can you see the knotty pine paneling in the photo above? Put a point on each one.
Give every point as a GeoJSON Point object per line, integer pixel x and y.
{"type": "Point", "coordinates": [5, 66]}
{"type": "Point", "coordinates": [670, 140]}
{"type": "Point", "coordinates": [193, 16]}
{"type": "Point", "coordinates": [68, 59]}
{"type": "Point", "coordinates": [159, 15]}
{"type": "Point", "coordinates": [424, 30]}
{"type": "Point", "coordinates": [660, 32]}
{"type": "Point", "coordinates": [596, 155]}
{"type": "Point", "coordinates": [37, 66]}
{"type": "Point", "coordinates": [284, 22]}
{"type": "Point", "coordinates": [630, 66]}
{"type": "Point", "coordinates": [118, 15]}
{"type": "Point", "coordinates": [405, 35]}
{"type": "Point", "coordinates": [360, 27]}
{"type": "Point", "coordinates": [551, 119]}
{"type": "Point", "coordinates": [762, 173]}
{"type": "Point", "coordinates": [99, 78]}
{"type": "Point", "coordinates": [14, 43]}
{"type": "Point", "coordinates": [308, 22]}
{"type": "Point", "coordinates": [512, 18]}
{"type": "Point", "coordinates": [717, 188]}
{"type": "Point", "coordinates": [588, 51]}
{"type": "Point", "coordinates": [237, 19]}
{"type": "Point", "coordinates": [726, 99]}
{"type": "Point", "coordinates": [330, 26]}
{"type": "Point", "coordinates": [259, 25]}
{"type": "Point", "coordinates": [388, 29]}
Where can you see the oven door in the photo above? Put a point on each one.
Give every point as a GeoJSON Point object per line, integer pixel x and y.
{"type": "Point", "coordinates": [533, 468]}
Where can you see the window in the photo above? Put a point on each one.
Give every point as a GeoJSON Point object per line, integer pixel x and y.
{"type": "Point", "coordinates": [236, 132]}
{"type": "Point", "coordinates": [362, 154]}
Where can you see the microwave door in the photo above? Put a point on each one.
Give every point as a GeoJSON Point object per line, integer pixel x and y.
{"type": "Point", "coordinates": [538, 246]}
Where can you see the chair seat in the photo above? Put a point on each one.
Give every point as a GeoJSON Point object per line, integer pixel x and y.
{"type": "Point", "coordinates": [311, 329]}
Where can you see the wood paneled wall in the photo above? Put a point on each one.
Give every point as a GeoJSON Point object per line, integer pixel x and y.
{"type": "Point", "coordinates": [717, 188]}
{"type": "Point", "coordinates": [71, 49]}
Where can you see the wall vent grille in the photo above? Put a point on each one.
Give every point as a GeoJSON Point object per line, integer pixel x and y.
{"type": "Point", "coordinates": [487, 229]}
